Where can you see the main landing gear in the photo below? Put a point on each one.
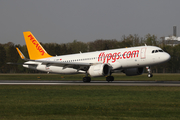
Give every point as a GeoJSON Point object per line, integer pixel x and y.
{"type": "Point", "coordinates": [149, 72]}
{"type": "Point", "coordinates": [86, 79]}
{"type": "Point", "coordinates": [109, 78]}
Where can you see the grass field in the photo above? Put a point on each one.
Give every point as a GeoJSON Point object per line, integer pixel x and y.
{"type": "Point", "coordinates": [156, 77]}
{"type": "Point", "coordinates": [89, 103]}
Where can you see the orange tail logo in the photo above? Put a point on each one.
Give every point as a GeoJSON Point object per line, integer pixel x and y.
{"type": "Point", "coordinates": [35, 50]}
{"type": "Point", "coordinates": [38, 47]}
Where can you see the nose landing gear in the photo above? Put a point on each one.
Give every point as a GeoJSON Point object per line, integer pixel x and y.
{"type": "Point", "coordinates": [148, 68]}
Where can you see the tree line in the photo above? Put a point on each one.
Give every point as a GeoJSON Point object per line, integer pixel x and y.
{"type": "Point", "coordinates": [8, 51]}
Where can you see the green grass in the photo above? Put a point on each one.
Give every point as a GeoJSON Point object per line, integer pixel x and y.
{"type": "Point", "coordinates": [89, 102]}
{"type": "Point", "coordinates": [156, 77]}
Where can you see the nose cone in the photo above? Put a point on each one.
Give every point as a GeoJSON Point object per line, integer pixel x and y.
{"type": "Point", "coordinates": [166, 57]}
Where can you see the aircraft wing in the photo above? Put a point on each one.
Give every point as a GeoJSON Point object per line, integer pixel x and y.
{"type": "Point", "coordinates": [75, 65]}
{"type": "Point", "coordinates": [56, 63]}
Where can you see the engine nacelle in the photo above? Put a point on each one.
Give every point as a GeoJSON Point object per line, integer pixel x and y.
{"type": "Point", "coordinates": [99, 70]}
{"type": "Point", "coordinates": [134, 71]}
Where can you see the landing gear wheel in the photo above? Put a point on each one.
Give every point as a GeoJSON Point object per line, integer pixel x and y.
{"type": "Point", "coordinates": [109, 78]}
{"type": "Point", "coordinates": [150, 75]}
{"type": "Point", "coordinates": [149, 71]}
{"type": "Point", "coordinates": [86, 79]}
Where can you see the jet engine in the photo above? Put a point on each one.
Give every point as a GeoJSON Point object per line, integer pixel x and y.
{"type": "Point", "coordinates": [99, 70]}
{"type": "Point", "coordinates": [134, 71]}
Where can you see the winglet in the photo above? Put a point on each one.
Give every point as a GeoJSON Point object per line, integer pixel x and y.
{"type": "Point", "coordinates": [20, 54]}
{"type": "Point", "coordinates": [35, 50]}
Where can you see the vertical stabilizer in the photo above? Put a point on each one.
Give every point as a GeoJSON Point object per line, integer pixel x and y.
{"type": "Point", "coordinates": [20, 53]}
{"type": "Point", "coordinates": [35, 50]}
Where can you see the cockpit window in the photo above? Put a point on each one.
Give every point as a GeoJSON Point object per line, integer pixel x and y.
{"type": "Point", "coordinates": [160, 50]}
{"type": "Point", "coordinates": [156, 51]}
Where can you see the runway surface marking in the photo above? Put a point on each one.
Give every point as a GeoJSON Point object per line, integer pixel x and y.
{"type": "Point", "coordinates": [32, 83]}
{"type": "Point", "coordinates": [116, 83]}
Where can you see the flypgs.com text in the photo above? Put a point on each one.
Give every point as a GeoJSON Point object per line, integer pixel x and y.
{"type": "Point", "coordinates": [115, 56]}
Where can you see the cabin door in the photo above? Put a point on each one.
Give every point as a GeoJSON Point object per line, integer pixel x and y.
{"type": "Point", "coordinates": [143, 53]}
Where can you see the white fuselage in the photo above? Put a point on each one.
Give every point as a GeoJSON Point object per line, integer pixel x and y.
{"type": "Point", "coordinates": [117, 58]}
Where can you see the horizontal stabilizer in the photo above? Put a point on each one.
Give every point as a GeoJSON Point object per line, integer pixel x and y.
{"type": "Point", "coordinates": [10, 63]}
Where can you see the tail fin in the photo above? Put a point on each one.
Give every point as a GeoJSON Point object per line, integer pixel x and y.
{"type": "Point", "coordinates": [22, 57]}
{"type": "Point", "coordinates": [35, 50]}
{"type": "Point", "coordinates": [20, 54]}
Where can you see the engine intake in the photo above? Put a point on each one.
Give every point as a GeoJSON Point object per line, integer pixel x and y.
{"type": "Point", "coordinates": [99, 70]}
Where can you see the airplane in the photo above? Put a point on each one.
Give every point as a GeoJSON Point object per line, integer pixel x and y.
{"type": "Point", "coordinates": [130, 61]}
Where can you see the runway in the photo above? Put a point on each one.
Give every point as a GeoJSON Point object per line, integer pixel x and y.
{"type": "Point", "coordinates": [115, 83]}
